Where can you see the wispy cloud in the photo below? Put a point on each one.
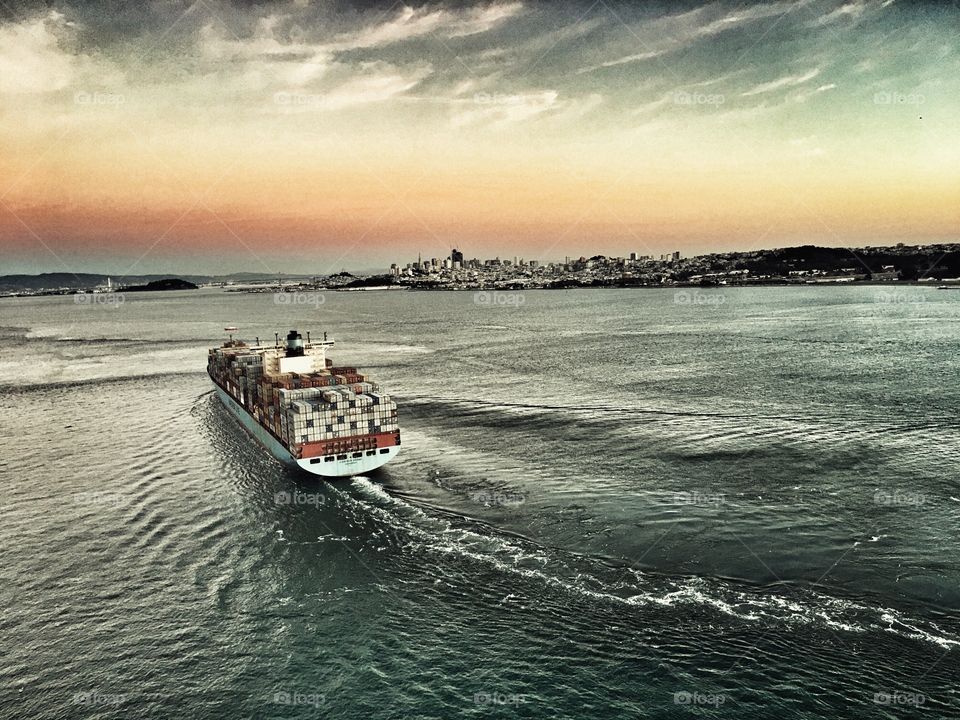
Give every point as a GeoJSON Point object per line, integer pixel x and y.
{"type": "Point", "coordinates": [483, 19]}
{"type": "Point", "coordinates": [638, 57]}
{"type": "Point", "coordinates": [676, 32]}
{"type": "Point", "coordinates": [804, 96]}
{"type": "Point", "coordinates": [414, 23]}
{"type": "Point", "coordinates": [372, 88]}
{"type": "Point", "coordinates": [780, 83]}
{"type": "Point", "coordinates": [498, 111]}
{"type": "Point", "coordinates": [847, 11]}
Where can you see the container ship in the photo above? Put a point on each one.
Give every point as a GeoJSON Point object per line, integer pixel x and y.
{"type": "Point", "coordinates": [330, 421]}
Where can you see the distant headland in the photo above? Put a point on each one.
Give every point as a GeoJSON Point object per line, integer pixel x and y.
{"type": "Point", "coordinates": [157, 285]}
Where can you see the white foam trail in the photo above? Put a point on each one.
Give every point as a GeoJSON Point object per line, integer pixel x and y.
{"type": "Point", "coordinates": [364, 485]}
{"type": "Point", "coordinates": [510, 558]}
{"type": "Point", "coordinates": [891, 617]}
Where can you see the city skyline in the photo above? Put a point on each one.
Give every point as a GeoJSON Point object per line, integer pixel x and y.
{"type": "Point", "coordinates": [219, 136]}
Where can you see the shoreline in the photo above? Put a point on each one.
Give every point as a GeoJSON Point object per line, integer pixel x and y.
{"type": "Point", "coordinates": [935, 285]}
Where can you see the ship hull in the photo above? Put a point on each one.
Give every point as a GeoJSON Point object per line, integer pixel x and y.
{"type": "Point", "coordinates": [315, 466]}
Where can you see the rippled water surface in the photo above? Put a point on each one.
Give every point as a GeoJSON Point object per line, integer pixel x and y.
{"type": "Point", "coordinates": [608, 504]}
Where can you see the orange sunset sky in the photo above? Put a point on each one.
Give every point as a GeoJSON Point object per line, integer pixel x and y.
{"type": "Point", "coordinates": [310, 137]}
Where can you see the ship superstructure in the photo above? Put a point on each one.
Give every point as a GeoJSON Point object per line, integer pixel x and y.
{"type": "Point", "coordinates": [328, 420]}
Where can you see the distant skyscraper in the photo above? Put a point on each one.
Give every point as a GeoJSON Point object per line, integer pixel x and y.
{"type": "Point", "coordinates": [456, 257]}
{"type": "Point", "coordinates": [676, 255]}
{"type": "Point", "coordinates": [633, 257]}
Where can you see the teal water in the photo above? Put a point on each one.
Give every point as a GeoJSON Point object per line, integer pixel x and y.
{"type": "Point", "coordinates": [608, 504]}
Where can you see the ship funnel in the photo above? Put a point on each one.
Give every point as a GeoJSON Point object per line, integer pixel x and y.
{"type": "Point", "coordinates": [294, 344]}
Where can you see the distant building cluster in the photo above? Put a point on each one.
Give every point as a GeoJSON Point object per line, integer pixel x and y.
{"type": "Point", "coordinates": [800, 265]}
{"type": "Point", "coordinates": [455, 271]}
{"type": "Point", "coordinates": [456, 263]}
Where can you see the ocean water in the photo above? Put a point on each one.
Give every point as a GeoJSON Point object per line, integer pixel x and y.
{"type": "Point", "coordinates": [641, 503]}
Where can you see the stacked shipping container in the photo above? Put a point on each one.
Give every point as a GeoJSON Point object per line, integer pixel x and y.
{"type": "Point", "coordinates": [332, 411]}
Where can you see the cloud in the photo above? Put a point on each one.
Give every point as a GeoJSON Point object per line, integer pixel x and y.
{"type": "Point", "coordinates": [639, 57]}
{"type": "Point", "coordinates": [538, 48]}
{"type": "Point", "coordinates": [415, 23]}
{"type": "Point", "coordinates": [409, 24]}
{"type": "Point", "coordinates": [376, 84]}
{"type": "Point", "coordinates": [483, 19]}
{"type": "Point", "coordinates": [228, 57]}
{"type": "Point", "coordinates": [579, 107]}
{"type": "Point", "coordinates": [804, 96]}
{"type": "Point", "coordinates": [304, 59]}
{"type": "Point", "coordinates": [499, 110]}
{"type": "Point", "coordinates": [31, 60]}
{"type": "Point", "coordinates": [780, 83]}
{"type": "Point", "coordinates": [676, 32]}
{"type": "Point", "coordinates": [654, 105]}
{"type": "Point", "coordinates": [852, 10]}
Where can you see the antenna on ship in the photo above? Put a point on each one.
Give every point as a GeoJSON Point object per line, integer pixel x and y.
{"type": "Point", "coordinates": [258, 341]}
{"type": "Point", "coordinates": [276, 339]}
{"type": "Point", "coordinates": [308, 337]}
{"type": "Point", "coordinates": [231, 329]}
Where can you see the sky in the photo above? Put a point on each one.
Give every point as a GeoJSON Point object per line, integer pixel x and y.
{"type": "Point", "coordinates": [215, 137]}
